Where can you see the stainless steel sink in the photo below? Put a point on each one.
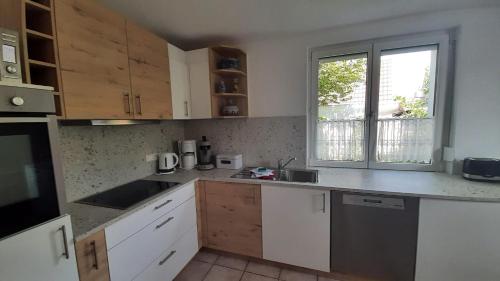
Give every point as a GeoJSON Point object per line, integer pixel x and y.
{"type": "Point", "coordinates": [295, 175]}
{"type": "Point", "coordinates": [288, 175]}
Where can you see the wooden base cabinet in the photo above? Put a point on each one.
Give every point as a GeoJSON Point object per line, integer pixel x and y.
{"type": "Point", "coordinates": [92, 258]}
{"type": "Point", "coordinates": [234, 218]}
{"type": "Point", "coordinates": [458, 241]}
{"type": "Point", "coordinates": [296, 226]}
{"type": "Point", "coordinates": [43, 253]}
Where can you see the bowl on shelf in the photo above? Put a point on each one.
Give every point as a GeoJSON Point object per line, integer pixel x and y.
{"type": "Point", "coordinates": [230, 110]}
{"type": "Point", "coordinates": [229, 63]}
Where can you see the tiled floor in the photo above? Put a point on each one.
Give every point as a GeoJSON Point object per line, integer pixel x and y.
{"type": "Point", "coordinates": [207, 266]}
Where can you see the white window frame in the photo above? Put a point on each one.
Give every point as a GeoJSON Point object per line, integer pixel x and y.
{"type": "Point", "coordinates": [374, 48]}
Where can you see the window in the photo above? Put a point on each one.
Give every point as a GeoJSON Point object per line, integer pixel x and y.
{"type": "Point", "coordinates": [379, 104]}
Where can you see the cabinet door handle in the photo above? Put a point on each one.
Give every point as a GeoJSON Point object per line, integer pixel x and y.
{"type": "Point", "coordinates": [164, 223]}
{"type": "Point", "coordinates": [65, 241]}
{"type": "Point", "coordinates": [324, 203]}
{"type": "Point", "coordinates": [138, 104]}
{"type": "Point", "coordinates": [186, 110]}
{"type": "Point", "coordinates": [163, 204]}
{"type": "Point", "coordinates": [167, 257]}
{"type": "Point", "coordinates": [94, 254]}
{"type": "Point", "coordinates": [126, 102]}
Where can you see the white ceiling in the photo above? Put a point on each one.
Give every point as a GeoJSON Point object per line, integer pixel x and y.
{"type": "Point", "coordinates": [193, 23]}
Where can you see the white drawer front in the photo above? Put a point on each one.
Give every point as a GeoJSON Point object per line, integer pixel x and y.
{"type": "Point", "coordinates": [173, 260]}
{"type": "Point", "coordinates": [133, 223]}
{"type": "Point", "coordinates": [133, 255]}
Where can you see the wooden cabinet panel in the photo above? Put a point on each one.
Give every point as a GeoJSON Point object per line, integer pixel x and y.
{"type": "Point", "coordinates": [234, 218]}
{"type": "Point", "coordinates": [94, 60]}
{"type": "Point", "coordinates": [149, 74]}
{"type": "Point", "coordinates": [92, 258]}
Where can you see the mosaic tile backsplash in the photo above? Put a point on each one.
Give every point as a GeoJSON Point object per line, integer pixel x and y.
{"type": "Point", "coordinates": [99, 158]}
{"type": "Point", "coordinates": [262, 141]}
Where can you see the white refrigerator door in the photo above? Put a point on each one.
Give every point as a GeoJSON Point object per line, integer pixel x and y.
{"type": "Point", "coordinates": [42, 253]}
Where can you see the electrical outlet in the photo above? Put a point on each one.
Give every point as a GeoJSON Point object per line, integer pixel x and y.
{"type": "Point", "coordinates": [152, 157]}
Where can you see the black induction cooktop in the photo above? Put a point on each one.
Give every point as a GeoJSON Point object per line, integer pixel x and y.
{"type": "Point", "coordinates": [127, 195]}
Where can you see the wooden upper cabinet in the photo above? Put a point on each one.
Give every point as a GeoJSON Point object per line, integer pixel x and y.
{"type": "Point", "coordinates": [94, 60]}
{"type": "Point", "coordinates": [234, 218]}
{"type": "Point", "coordinates": [92, 258]}
{"type": "Point", "coordinates": [149, 74]}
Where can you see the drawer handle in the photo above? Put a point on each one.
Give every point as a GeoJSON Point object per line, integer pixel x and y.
{"type": "Point", "coordinates": [164, 223]}
{"type": "Point", "coordinates": [167, 257]}
{"type": "Point", "coordinates": [372, 201]}
{"type": "Point", "coordinates": [163, 204]}
{"type": "Point", "coordinates": [94, 253]}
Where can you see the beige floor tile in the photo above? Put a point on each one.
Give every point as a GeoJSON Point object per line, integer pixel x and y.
{"type": "Point", "coordinates": [290, 275]}
{"type": "Point", "coordinates": [205, 257]}
{"type": "Point", "coordinates": [263, 269]}
{"type": "Point", "coordinates": [220, 273]}
{"type": "Point", "coordinates": [194, 271]}
{"type": "Point", "coordinates": [232, 262]}
{"type": "Point", "coordinates": [254, 277]}
{"type": "Point", "coordinates": [320, 278]}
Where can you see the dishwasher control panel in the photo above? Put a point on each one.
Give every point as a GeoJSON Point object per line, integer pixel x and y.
{"type": "Point", "coordinates": [374, 201]}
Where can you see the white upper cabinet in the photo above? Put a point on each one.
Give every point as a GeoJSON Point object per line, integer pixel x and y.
{"type": "Point", "coordinates": [179, 75]}
{"type": "Point", "coordinates": [296, 226]}
{"type": "Point", "coordinates": [458, 241]}
{"type": "Point", "coordinates": [43, 253]}
{"type": "Point", "coordinates": [199, 80]}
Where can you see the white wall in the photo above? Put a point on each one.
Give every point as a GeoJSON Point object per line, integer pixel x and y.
{"type": "Point", "coordinates": [277, 69]}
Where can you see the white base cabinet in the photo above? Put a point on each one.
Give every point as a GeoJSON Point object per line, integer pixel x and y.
{"type": "Point", "coordinates": [142, 240]}
{"type": "Point", "coordinates": [43, 253]}
{"type": "Point", "coordinates": [296, 226]}
{"type": "Point", "coordinates": [130, 257]}
{"type": "Point", "coordinates": [458, 241]}
{"type": "Point", "coordinates": [173, 260]}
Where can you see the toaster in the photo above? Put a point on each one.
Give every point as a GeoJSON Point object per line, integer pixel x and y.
{"type": "Point", "coordinates": [482, 169]}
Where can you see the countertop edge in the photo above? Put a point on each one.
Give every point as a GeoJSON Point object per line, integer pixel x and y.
{"type": "Point", "coordinates": [188, 177]}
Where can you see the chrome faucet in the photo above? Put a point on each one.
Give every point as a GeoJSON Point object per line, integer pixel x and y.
{"type": "Point", "coordinates": [282, 164]}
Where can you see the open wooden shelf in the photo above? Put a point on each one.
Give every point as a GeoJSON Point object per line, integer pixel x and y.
{"type": "Point", "coordinates": [230, 71]}
{"type": "Point", "coordinates": [41, 63]}
{"type": "Point", "coordinates": [33, 5]}
{"type": "Point", "coordinates": [236, 95]}
{"type": "Point", "coordinates": [231, 117]}
{"type": "Point", "coordinates": [234, 80]}
{"type": "Point", "coordinates": [35, 34]}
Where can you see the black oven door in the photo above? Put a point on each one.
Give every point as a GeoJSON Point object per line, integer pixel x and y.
{"type": "Point", "coordinates": [28, 193]}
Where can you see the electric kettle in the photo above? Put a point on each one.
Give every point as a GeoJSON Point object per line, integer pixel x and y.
{"type": "Point", "coordinates": [167, 163]}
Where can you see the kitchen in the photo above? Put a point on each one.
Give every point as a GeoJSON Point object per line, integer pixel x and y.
{"type": "Point", "coordinates": [105, 92]}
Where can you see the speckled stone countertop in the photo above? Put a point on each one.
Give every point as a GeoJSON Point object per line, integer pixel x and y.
{"type": "Point", "coordinates": [89, 219]}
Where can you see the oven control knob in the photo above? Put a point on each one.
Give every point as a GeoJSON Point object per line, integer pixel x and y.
{"type": "Point", "coordinates": [11, 69]}
{"type": "Point", "coordinates": [17, 101]}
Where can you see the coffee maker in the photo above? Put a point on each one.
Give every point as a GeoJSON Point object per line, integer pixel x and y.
{"type": "Point", "coordinates": [187, 152]}
{"type": "Point", "coordinates": [205, 155]}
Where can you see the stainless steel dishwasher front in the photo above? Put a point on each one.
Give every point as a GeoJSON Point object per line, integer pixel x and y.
{"type": "Point", "coordinates": [374, 237]}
